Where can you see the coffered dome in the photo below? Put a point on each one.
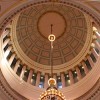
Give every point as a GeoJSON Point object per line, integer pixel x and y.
{"type": "Point", "coordinates": [25, 55]}
{"type": "Point", "coordinates": [69, 27]}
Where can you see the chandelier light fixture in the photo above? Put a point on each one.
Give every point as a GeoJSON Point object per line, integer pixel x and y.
{"type": "Point", "coordinates": [52, 93]}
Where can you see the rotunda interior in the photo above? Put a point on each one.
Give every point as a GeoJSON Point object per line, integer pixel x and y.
{"type": "Point", "coordinates": [25, 57]}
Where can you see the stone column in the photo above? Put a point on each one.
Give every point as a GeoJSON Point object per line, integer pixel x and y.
{"type": "Point", "coordinates": [6, 42]}
{"type": "Point", "coordinates": [30, 76]}
{"type": "Point", "coordinates": [46, 81]}
{"type": "Point", "coordinates": [55, 77]}
{"type": "Point", "coordinates": [90, 61]}
{"type": "Point", "coordinates": [22, 72]}
{"type": "Point", "coordinates": [11, 58]}
{"type": "Point", "coordinates": [16, 66]}
{"type": "Point", "coordinates": [7, 51]}
{"type": "Point", "coordinates": [71, 77]}
{"type": "Point", "coordinates": [78, 73]}
{"type": "Point", "coordinates": [38, 79]}
{"type": "Point", "coordinates": [63, 79]}
{"type": "Point", "coordinates": [97, 34]}
{"type": "Point", "coordinates": [97, 45]}
{"type": "Point", "coordinates": [85, 67]}
{"type": "Point", "coordinates": [96, 55]}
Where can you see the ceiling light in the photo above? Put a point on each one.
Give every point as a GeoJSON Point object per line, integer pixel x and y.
{"type": "Point", "coordinates": [58, 77]}
{"type": "Point", "coordinates": [75, 72]}
{"type": "Point", "coordinates": [67, 76]}
{"type": "Point", "coordinates": [41, 77]}
{"type": "Point", "coordinates": [82, 67]}
{"type": "Point", "coordinates": [33, 75]}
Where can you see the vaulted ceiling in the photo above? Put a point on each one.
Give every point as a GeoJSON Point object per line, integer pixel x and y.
{"type": "Point", "coordinates": [69, 27]}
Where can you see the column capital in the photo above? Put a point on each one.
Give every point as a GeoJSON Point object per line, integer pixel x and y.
{"type": "Point", "coordinates": [7, 29]}
{"type": "Point", "coordinates": [46, 74]}
{"type": "Point", "coordinates": [62, 72]}
{"type": "Point", "coordinates": [38, 72]}
{"type": "Point", "coordinates": [31, 69]}
{"type": "Point", "coordinates": [24, 66]}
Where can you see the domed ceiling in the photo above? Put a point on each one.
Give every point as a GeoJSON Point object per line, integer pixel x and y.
{"type": "Point", "coordinates": [69, 27]}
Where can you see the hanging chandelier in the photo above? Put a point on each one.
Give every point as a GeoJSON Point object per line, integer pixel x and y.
{"type": "Point", "coordinates": [52, 93]}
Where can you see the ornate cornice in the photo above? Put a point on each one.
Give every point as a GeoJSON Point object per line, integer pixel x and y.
{"type": "Point", "coordinates": [13, 95]}
{"type": "Point", "coordinates": [78, 5]}
{"type": "Point", "coordinates": [9, 17]}
{"type": "Point", "coordinates": [92, 93]}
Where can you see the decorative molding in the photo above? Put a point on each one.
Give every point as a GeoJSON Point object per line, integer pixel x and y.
{"type": "Point", "coordinates": [12, 95]}
{"type": "Point", "coordinates": [71, 92]}
{"type": "Point", "coordinates": [92, 93]}
{"type": "Point", "coordinates": [70, 3]}
{"type": "Point", "coordinates": [83, 8]}
{"type": "Point", "coordinates": [57, 68]}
